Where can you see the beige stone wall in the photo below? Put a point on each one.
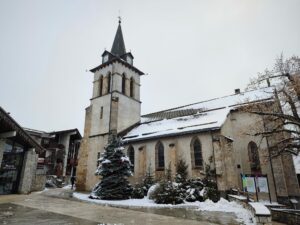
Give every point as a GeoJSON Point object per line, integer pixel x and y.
{"type": "Point", "coordinates": [175, 148]}
{"type": "Point", "coordinates": [98, 125]}
{"type": "Point", "coordinates": [119, 69]}
{"type": "Point", "coordinates": [290, 175]}
{"type": "Point", "coordinates": [129, 112]}
{"type": "Point", "coordinates": [28, 171]}
{"type": "Point", "coordinates": [226, 150]}
{"type": "Point", "coordinates": [237, 126]}
{"type": "Point", "coordinates": [83, 153]}
{"type": "Point", "coordinates": [96, 145]}
{"type": "Point", "coordinates": [119, 113]}
{"type": "Point", "coordinates": [88, 155]}
{"type": "Point", "coordinates": [103, 72]}
{"type": "Point", "coordinates": [224, 160]}
{"type": "Point", "coordinates": [38, 183]}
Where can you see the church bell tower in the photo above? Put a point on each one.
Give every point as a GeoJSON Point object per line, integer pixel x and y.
{"type": "Point", "coordinates": [115, 106]}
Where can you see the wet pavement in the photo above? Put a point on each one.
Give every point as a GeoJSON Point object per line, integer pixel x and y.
{"type": "Point", "coordinates": [38, 208]}
{"type": "Point", "coordinates": [22, 215]}
{"type": "Point", "coordinates": [59, 208]}
{"type": "Point", "coordinates": [222, 218]}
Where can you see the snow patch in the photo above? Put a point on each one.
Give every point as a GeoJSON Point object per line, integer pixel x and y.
{"type": "Point", "coordinates": [125, 158]}
{"type": "Point", "coordinates": [106, 161]}
{"type": "Point", "coordinates": [259, 208]}
{"type": "Point", "coordinates": [242, 214]}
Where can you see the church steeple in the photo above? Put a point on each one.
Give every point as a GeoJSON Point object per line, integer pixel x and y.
{"type": "Point", "coordinates": [118, 47]}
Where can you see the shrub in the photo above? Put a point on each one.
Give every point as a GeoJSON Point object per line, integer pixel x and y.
{"type": "Point", "coordinates": [138, 192]}
{"type": "Point", "coordinates": [168, 192]}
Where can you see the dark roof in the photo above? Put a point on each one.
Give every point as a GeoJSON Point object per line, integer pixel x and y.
{"type": "Point", "coordinates": [118, 53]}
{"type": "Point", "coordinates": [118, 47]}
{"type": "Point", "coordinates": [117, 59]}
{"type": "Point", "coordinates": [78, 135]}
{"type": "Point", "coordinates": [52, 133]}
{"type": "Point", "coordinates": [7, 123]}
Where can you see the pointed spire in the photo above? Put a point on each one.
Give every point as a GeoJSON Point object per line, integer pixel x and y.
{"type": "Point", "coordinates": [118, 47]}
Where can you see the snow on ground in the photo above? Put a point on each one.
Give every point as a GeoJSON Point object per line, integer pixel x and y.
{"type": "Point", "coordinates": [260, 209]}
{"type": "Point", "coordinates": [268, 203]}
{"type": "Point", "coordinates": [242, 214]}
{"type": "Point", "coordinates": [39, 192]}
{"type": "Point", "coordinates": [240, 197]}
{"type": "Point", "coordinates": [69, 187]}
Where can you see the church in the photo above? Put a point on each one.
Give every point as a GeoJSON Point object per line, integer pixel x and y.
{"type": "Point", "coordinates": [207, 134]}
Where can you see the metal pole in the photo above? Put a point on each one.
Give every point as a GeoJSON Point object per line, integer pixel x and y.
{"type": "Point", "coordinates": [269, 189]}
{"type": "Point", "coordinates": [255, 188]}
{"type": "Point", "coordinates": [271, 164]}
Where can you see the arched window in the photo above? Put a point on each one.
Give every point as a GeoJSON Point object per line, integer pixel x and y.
{"type": "Point", "coordinates": [196, 153]}
{"type": "Point", "coordinates": [130, 153]}
{"type": "Point", "coordinates": [123, 83]}
{"type": "Point", "coordinates": [131, 87]}
{"type": "Point", "coordinates": [108, 82]}
{"type": "Point", "coordinates": [100, 85]}
{"type": "Point", "coordinates": [254, 158]}
{"type": "Point", "coordinates": [159, 156]}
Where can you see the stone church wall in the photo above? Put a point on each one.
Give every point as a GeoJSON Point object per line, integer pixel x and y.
{"type": "Point", "coordinates": [83, 154]}
{"type": "Point", "coordinates": [238, 126]}
{"type": "Point", "coordinates": [128, 112]}
{"type": "Point", "coordinates": [118, 71]}
{"type": "Point", "coordinates": [96, 84]}
{"type": "Point", "coordinates": [100, 125]}
{"type": "Point", "coordinates": [97, 145]}
{"type": "Point", "coordinates": [175, 148]}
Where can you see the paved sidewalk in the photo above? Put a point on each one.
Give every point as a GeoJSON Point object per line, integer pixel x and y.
{"type": "Point", "coordinates": [56, 207]}
{"type": "Point", "coordinates": [34, 208]}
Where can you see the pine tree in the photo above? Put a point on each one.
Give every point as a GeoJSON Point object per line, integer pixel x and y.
{"type": "Point", "coordinates": [168, 175]}
{"type": "Point", "coordinates": [181, 172]}
{"type": "Point", "coordinates": [148, 181]}
{"type": "Point", "coordinates": [168, 193]}
{"type": "Point", "coordinates": [211, 187]}
{"type": "Point", "coordinates": [114, 169]}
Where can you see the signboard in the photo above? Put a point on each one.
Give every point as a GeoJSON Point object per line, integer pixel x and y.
{"type": "Point", "coordinates": [250, 184]}
{"type": "Point", "coordinates": [262, 184]}
{"type": "Point", "coordinates": [255, 184]}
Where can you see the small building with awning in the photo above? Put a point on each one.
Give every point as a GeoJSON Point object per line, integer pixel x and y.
{"type": "Point", "coordinates": [18, 156]}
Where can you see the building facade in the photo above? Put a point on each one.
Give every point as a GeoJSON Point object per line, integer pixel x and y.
{"type": "Point", "coordinates": [115, 106]}
{"type": "Point", "coordinates": [61, 151]}
{"type": "Point", "coordinates": [18, 157]}
{"type": "Point", "coordinates": [209, 134]}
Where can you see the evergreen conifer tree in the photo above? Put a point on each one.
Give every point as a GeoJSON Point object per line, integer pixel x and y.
{"type": "Point", "coordinates": [181, 172]}
{"type": "Point", "coordinates": [168, 175]}
{"type": "Point", "coordinates": [148, 180]}
{"type": "Point", "coordinates": [114, 169]}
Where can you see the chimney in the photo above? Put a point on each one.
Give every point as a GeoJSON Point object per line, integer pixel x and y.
{"type": "Point", "coordinates": [237, 91]}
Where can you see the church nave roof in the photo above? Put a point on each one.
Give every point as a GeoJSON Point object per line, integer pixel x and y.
{"type": "Point", "coordinates": [193, 118]}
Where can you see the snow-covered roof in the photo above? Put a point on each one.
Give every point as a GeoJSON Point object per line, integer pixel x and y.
{"type": "Point", "coordinates": [197, 117]}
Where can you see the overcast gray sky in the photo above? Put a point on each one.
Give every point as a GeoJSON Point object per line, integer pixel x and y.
{"type": "Point", "coordinates": [192, 51]}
